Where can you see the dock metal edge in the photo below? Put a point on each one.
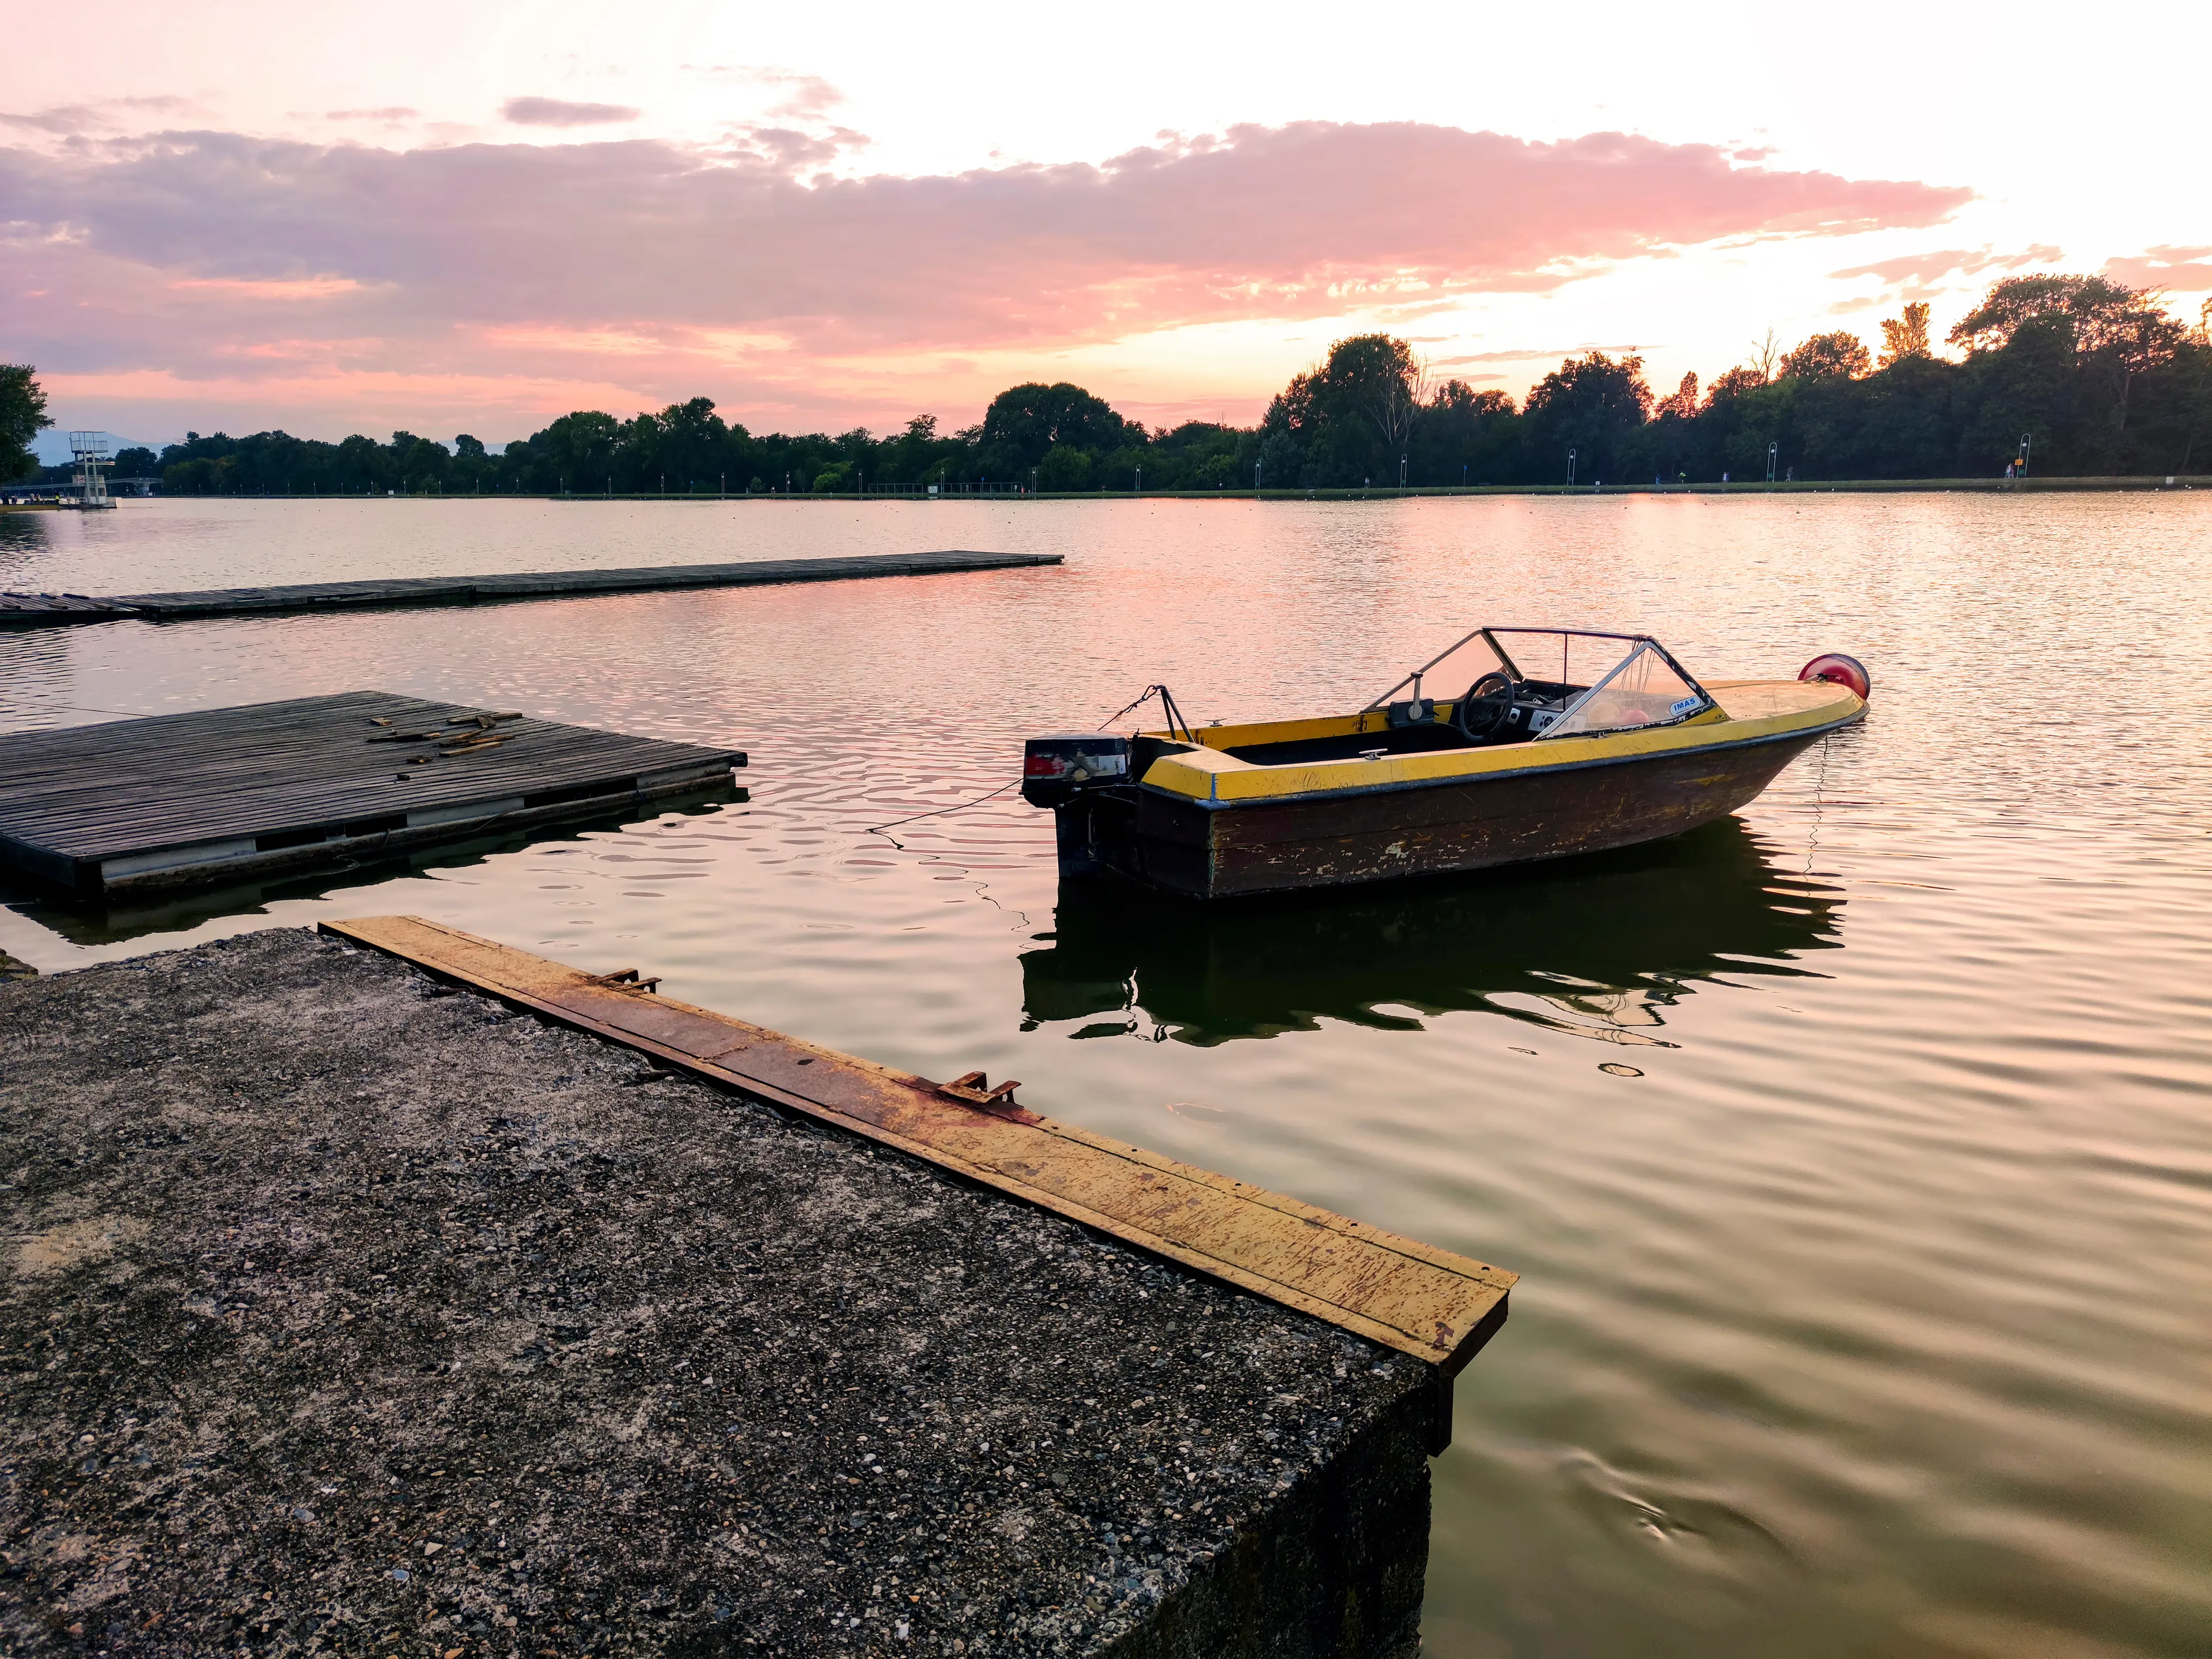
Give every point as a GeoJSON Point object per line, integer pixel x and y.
{"type": "Point", "coordinates": [1438, 1306]}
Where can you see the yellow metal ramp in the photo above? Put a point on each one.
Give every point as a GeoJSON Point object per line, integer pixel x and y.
{"type": "Point", "coordinates": [1431, 1303]}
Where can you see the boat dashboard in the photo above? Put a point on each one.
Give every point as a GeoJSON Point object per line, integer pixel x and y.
{"type": "Point", "coordinates": [1418, 727]}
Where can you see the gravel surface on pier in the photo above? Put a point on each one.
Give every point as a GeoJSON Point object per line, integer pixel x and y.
{"type": "Point", "coordinates": [347, 1312]}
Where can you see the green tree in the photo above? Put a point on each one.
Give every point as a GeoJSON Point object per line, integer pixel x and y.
{"type": "Point", "coordinates": [687, 444]}
{"type": "Point", "coordinates": [2030, 386]}
{"type": "Point", "coordinates": [1287, 430]}
{"type": "Point", "coordinates": [22, 417]}
{"type": "Point", "coordinates": [2096, 313]}
{"type": "Point", "coordinates": [1681, 403]}
{"type": "Point", "coordinates": [1347, 421]}
{"type": "Point", "coordinates": [2117, 334]}
{"type": "Point", "coordinates": [1464, 437]}
{"type": "Point", "coordinates": [1825, 356]}
{"type": "Point", "coordinates": [1910, 423]}
{"type": "Point", "coordinates": [1670, 444]}
{"type": "Point", "coordinates": [1592, 405]}
{"type": "Point", "coordinates": [419, 464]}
{"type": "Point", "coordinates": [1907, 337]}
{"type": "Point", "coordinates": [1365, 396]}
{"type": "Point", "coordinates": [1024, 423]}
{"type": "Point", "coordinates": [361, 467]}
{"type": "Point", "coordinates": [1065, 467]}
{"type": "Point", "coordinates": [577, 451]}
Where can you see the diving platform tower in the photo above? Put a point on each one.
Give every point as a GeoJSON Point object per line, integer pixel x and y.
{"type": "Point", "coordinates": [92, 454]}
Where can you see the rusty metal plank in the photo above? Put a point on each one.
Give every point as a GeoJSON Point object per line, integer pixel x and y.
{"type": "Point", "coordinates": [1398, 1291]}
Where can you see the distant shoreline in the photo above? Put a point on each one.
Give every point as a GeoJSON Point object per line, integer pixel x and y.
{"type": "Point", "coordinates": [2152, 482]}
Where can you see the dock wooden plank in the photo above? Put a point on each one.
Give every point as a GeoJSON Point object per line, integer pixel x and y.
{"type": "Point", "coordinates": [1420, 1300]}
{"type": "Point", "coordinates": [306, 768]}
{"type": "Point", "coordinates": [36, 609]}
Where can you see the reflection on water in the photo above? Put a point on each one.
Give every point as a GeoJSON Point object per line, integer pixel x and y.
{"type": "Point", "coordinates": [101, 923]}
{"type": "Point", "coordinates": [34, 675]}
{"type": "Point", "coordinates": [1597, 948]}
{"type": "Point", "coordinates": [23, 538]}
{"type": "Point", "coordinates": [1855, 1154]}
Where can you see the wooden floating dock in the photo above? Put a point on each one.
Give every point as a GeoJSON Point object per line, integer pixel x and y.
{"type": "Point", "coordinates": [173, 800]}
{"type": "Point", "coordinates": [1433, 1304]}
{"type": "Point", "coordinates": [40, 610]}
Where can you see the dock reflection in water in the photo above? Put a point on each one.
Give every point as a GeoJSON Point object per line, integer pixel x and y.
{"type": "Point", "coordinates": [1596, 947]}
{"type": "Point", "coordinates": [97, 920]}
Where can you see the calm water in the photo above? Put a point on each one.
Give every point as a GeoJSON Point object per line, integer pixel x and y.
{"type": "Point", "coordinates": [1857, 1152]}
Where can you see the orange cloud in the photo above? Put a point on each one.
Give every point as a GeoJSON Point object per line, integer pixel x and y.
{"type": "Point", "coordinates": [480, 262]}
{"type": "Point", "coordinates": [272, 287]}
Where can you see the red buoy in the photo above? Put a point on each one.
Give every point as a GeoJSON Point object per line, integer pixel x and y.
{"type": "Point", "coordinates": [1842, 670]}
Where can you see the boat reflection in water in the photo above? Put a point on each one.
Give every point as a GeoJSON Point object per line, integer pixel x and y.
{"type": "Point", "coordinates": [1600, 947]}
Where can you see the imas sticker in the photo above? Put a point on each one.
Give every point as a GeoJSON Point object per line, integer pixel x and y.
{"type": "Point", "coordinates": [1685, 706]}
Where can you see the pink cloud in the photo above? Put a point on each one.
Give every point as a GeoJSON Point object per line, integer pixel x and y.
{"type": "Point", "coordinates": [2181, 268]}
{"type": "Point", "coordinates": [560, 112]}
{"type": "Point", "coordinates": [1920, 272]}
{"type": "Point", "coordinates": [750, 267]}
{"type": "Point", "coordinates": [107, 115]}
{"type": "Point", "coordinates": [799, 97]}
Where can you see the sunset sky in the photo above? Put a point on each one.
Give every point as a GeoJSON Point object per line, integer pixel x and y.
{"type": "Point", "coordinates": [473, 218]}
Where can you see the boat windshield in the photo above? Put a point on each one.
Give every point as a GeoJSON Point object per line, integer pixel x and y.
{"type": "Point", "coordinates": [1579, 681]}
{"type": "Point", "coordinates": [1645, 689]}
{"type": "Point", "coordinates": [1448, 676]}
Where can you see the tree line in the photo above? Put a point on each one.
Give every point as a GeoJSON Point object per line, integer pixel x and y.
{"type": "Point", "coordinates": [1035, 436]}
{"type": "Point", "coordinates": [2073, 375]}
{"type": "Point", "coordinates": [2079, 375]}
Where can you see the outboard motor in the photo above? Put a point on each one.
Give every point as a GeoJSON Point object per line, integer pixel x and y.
{"type": "Point", "coordinates": [1055, 769]}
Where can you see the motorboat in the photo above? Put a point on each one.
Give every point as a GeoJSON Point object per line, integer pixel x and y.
{"type": "Point", "coordinates": [1565, 741]}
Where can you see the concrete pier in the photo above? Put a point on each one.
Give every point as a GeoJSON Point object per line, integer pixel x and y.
{"type": "Point", "coordinates": [348, 1311]}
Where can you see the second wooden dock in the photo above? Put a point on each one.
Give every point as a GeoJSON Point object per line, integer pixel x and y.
{"type": "Point", "coordinates": [228, 794]}
{"type": "Point", "coordinates": [44, 610]}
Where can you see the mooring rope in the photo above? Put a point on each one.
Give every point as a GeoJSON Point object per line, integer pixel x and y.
{"type": "Point", "coordinates": [882, 830]}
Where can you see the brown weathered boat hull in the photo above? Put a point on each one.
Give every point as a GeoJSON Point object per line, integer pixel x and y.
{"type": "Point", "coordinates": [1221, 850]}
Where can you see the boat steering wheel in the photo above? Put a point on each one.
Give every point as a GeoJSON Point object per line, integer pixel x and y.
{"type": "Point", "coordinates": [1486, 707]}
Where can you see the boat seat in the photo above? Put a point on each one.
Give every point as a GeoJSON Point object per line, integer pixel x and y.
{"type": "Point", "coordinates": [1351, 745]}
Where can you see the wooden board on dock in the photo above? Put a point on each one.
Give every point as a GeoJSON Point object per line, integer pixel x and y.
{"type": "Point", "coordinates": [35, 610]}
{"type": "Point", "coordinates": [233, 793]}
{"type": "Point", "coordinates": [1407, 1295]}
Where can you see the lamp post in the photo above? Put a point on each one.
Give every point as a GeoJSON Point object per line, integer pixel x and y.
{"type": "Point", "coordinates": [2023, 454]}
{"type": "Point", "coordinates": [1401, 472]}
{"type": "Point", "coordinates": [1771, 449]}
{"type": "Point", "coordinates": [1139, 489]}
{"type": "Point", "coordinates": [1255, 478]}
{"type": "Point", "coordinates": [1570, 469]}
